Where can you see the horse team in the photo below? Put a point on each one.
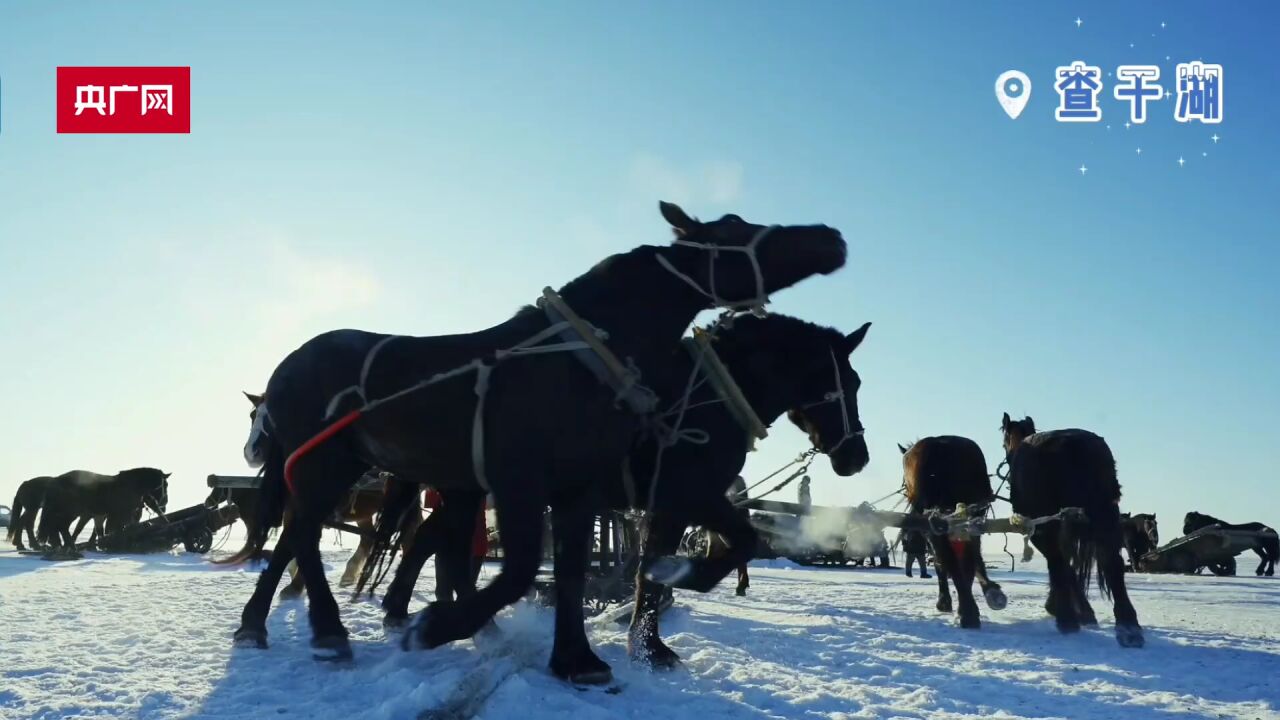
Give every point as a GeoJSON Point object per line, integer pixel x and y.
{"type": "Point", "coordinates": [595, 400]}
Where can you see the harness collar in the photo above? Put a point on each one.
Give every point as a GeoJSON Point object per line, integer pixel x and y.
{"type": "Point", "coordinates": [724, 384]}
{"type": "Point", "coordinates": [624, 379]}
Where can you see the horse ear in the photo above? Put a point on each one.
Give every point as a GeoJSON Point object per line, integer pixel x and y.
{"type": "Point", "coordinates": [1005, 422]}
{"type": "Point", "coordinates": [902, 449]}
{"type": "Point", "coordinates": [255, 399]}
{"type": "Point", "coordinates": [677, 218]}
{"type": "Point", "coordinates": [167, 475]}
{"type": "Point", "coordinates": [1029, 421]}
{"type": "Point", "coordinates": [855, 338]}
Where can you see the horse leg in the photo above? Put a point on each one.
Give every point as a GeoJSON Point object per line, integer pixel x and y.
{"type": "Point", "coordinates": [296, 585]}
{"type": "Point", "coordinates": [944, 588]}
{"type": "Point", "coordinates": [520, 504]}
{"type": "Point", "coordinates": [253, 619]}
{"type": "Point", "coordinates": [455, 556]}
{"type": "Point", "coordinates": [426, 539]}
{"type": "Point", "coordinates": [959, 565]}
{"type": "Point", "coordinates": [643, 641]}
{"type": "Point", "coordinates": [571, 656]}
{"type": "Point", "coordinates": [1062, 581]}
{"type": "Point", "coordinates": [84, 520]}
{"type": "Point", "coordinates": [361, 555]}
{"type": "Point", "coordinates": [991, 591]}
{"type": "Point", "coordinates": [323, 477]}
{"type": "Point", "coordinates": [702, 574]}
{"type": "Point", "coordinates": [1128, 631]}
{"type": "Point", "coordinates": [744, 581]}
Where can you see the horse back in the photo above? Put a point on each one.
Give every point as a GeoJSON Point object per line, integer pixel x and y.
{"type": "Point", "coordinates": [943, 471]}
{"type": "Point", "coordinates": [1063, 468]}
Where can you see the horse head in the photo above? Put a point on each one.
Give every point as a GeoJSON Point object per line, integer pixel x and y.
{"type": "Point", "coordinates": [255, 447]}
{"type": "Point", "coordinates": [784, 364]}
{"type": "Point", "coordinates": [737, 264]}
{"type": "Point", "coordinates": [1193, 521]}
{"type": "Point", "coordinates": [151, 485]}
{"type": "Point", "coordinates": [1015, 431]}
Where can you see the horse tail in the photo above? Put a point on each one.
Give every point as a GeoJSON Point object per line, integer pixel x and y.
{"type": "Point", "coordinates": [272, 498]}
{"type": "Point", "coordinates": [15, 519]}
{"type": "Point", "coordinates": [401, 513]}
{"type": "Point", "coordinates": [1271, 544]}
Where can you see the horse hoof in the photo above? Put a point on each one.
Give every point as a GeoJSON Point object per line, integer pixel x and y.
{"type": "Point", "coordinates": [1130, 636]}
{"type": "Point", "coordinates": [589, 670]}
{"type": "Point", "coordinates": [669, 570]}
{"type": "Point", "coordinates": [996, 599]}
{"type": "Point", "coordinates": [944, 606]}
{"type": "Point", "coordinates": [331, 648]}
{"type": "Point", "coordinates": [653, 653]}
{"type": "Point", "coordinates": [1067, 627]}
{"type": "Point", "coordinates": [740, 592]}
{"type": "Point", "coordinates": [250, 638]}
{"type": "Point", "coordinates": [395, 622]}
{"type": "Point", "coordinates": [424, 631]}
{"type": "Point", "coordinates": [290, 593]}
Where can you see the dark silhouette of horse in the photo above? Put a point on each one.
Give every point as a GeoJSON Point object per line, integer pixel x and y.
{"type": "Point", "coordinates": [26, 503]}
{"type": "Point", "coordinates": [104, 499]}
{"type": "Point", "coordinates": [1141, 536]}
{"type": "Point", "coordinates": [1059, 469]}
{"type": "Point", "coordinates": [1267, 547]}
{"type": "Point", "coordinates": [940, 473]}
{"type": "Point", "coordinates": [781, 365]}
{"type": "Point", "coordinates": [537, 429]}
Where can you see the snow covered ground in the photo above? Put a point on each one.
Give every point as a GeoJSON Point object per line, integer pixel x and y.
{"type": "Point", "coordinates": [149, 637]}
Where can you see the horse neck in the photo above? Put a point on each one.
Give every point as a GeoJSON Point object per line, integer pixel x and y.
{"type": "Point", "coordinates": [760, 391]}
{"type": "Point", "coordinates": [643, 308]}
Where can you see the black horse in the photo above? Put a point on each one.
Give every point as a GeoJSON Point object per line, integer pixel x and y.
{"type": "Point", "coordinates": [26, 503]}
{"type": "Point", "coordinates": [1141, 535]}
{"type": "Point", "coordinates": [110, 499]}
{"type": "Point", "coordinates": [538, 430]}
{"type": "Point", "coordinates": [1058, 469]}
{"type": "Point", "coordinates": [781, 365]}
{"type": "Point", "coordinates": [940, 473]}
{"type": "Point", "coordinates": [1267, 546]}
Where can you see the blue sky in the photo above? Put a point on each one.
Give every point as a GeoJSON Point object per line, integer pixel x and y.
{"type": "Point", "coordinates": [427, 168]}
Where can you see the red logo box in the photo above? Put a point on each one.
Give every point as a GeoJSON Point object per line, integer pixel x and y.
{"type": "Point", "coordinates": [124, 100]}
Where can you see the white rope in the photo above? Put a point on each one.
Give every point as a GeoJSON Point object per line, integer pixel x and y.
{"type": "Point", "coordinates": [838, 396]}
{"type": "Point", "coordinates": [756, 303]}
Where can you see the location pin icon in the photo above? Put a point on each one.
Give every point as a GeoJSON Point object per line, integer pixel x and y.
{"type": "Point", "coordinates": [1013, 90]}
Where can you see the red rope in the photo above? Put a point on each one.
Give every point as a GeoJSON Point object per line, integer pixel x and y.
{"type": "Point", "coordinates": [311, 444]}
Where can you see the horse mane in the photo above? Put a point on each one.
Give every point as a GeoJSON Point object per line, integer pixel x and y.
{"type": "Point", "coordinates": [751, 330]}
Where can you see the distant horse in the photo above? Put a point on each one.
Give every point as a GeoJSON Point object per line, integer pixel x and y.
{"type": "Point", "coordinates": [1267, 547]}
{"type": "Point", "coordinates": [537, 428]}
{"type": "Point", "coordinates": [26, 503]}
{"type": "Point", "coordinates": [1058, 469]}
{"type": "Point", "coordinates": [781, 365]}
{"type": "Point", "coordinates": [1141, 535]}
{"type": "Point", "coordinates": [940, 473]}
{"type": "Point", "coordinates": [100, 498]}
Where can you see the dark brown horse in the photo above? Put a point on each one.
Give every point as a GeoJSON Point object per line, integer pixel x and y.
{"type": "Point", "coordinates": [537, 429]}
{"type": "Point", "coordinates": [1053, 470]}
{"type": "Point", "coordinates": [1141, 536]}
{"type": "Point", "coordinates": [1267, 546]}
{"type": "Point", "coordinates": [100, 498]}
{"type": "Point", "coordinates": [26, 503]}
{"type": "Point", "coordinates": [940, 473]}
